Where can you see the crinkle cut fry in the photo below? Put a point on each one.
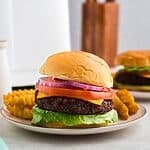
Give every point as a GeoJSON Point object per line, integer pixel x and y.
{"type": "Point", "coordinates": [20, 98]}
{"type": "Point", "coordinates": [25, 113]}
{"type": "Point", "coordinates": [19, 103]}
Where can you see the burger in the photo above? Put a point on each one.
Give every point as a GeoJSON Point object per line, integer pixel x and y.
{"type": "Point", "coordinates": [135, 73]}
{"type": "Point", "coordinates": [74, 92]}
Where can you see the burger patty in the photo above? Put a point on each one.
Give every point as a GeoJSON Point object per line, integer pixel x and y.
{"type": "Point", "coordinates": [131, 78]}
{"type": "Point", "coordinates": [73, 105]}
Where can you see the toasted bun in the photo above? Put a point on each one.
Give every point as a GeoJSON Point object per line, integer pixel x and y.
{"type": "Point", "coordinates": [78, 66]}
{"type": "Point", "coordinates": [134, 58]}
{"type": "Point", "coordinates": [132, 87]}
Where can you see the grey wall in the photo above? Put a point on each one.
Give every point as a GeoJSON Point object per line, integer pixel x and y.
{"type": "Point", "coordinates": [134, 31]}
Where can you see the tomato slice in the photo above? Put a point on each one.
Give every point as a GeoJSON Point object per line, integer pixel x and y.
{"type": "Point", "coordinates": [81, 94]}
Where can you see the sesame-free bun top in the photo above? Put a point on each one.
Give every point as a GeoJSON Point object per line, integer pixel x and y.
{"type": "Point", "coordinates": [134, 58]}
{"type": "Point", "coordinates": [78, 66]}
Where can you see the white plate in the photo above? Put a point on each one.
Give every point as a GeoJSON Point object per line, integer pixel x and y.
{"type": "Point", "coordinates": [141, 95]}
{"type": "Point", "coordinates": [113, 127]}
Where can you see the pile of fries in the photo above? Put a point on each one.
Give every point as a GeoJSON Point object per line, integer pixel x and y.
{"type": "Point", "coordinates": [125, 104]}
{"type": "Point", "coordinates": [19, 103]}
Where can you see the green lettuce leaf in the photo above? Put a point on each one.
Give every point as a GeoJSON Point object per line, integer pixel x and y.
{"type": "Point", "coordinates": [145, 88]}
{"type": "Point", "coordinates": [130, 69]}
{"type": "Point", "coordinates": [41, 116]}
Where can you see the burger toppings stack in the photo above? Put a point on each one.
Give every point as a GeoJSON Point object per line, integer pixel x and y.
{"type": "Point", "coordinates": [75, 91]}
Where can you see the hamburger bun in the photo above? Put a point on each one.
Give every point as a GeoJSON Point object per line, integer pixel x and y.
{"type": "Point", "coordinates": [62, 126]}
{"type": "Point", "coordinates": [134, 58]}
{"type": "Point", "coordinates": [78, 66]}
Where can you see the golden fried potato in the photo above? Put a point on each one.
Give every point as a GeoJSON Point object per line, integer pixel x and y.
{"type": "Point", "coordinates": [121, 108]}
{"type": "Point", "coordinates": [25, 113]}
{"type": "Point", "coordinates": [126, 97]}
{"type": "Point", "coordinates": [19, 103]}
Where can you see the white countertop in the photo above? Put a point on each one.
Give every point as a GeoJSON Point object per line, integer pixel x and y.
{"type": "Point", "coordinates": [136, 137]}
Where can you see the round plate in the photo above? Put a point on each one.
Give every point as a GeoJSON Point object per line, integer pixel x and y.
{"type": "Point", "coordinates": [141, 95]}
{"type": "Point", "coordinates": [25, 124]}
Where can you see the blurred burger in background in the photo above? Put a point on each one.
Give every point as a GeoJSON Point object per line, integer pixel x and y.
{"type": "Point", "coordinates": [75, 92]}
{"type": "Point", "coordinates": [135, 74]}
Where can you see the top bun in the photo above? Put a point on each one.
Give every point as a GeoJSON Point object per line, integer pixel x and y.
{"type": "Point", "coordinates": [134, 58]}
{"type": "Point", "coordinates": [78, 66]}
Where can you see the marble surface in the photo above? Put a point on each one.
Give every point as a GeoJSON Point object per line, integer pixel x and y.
{"type": "Point", "coordinates": [135, 137]}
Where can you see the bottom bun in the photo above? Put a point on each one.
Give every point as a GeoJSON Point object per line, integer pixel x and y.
{"type": "Point", "coordinates": [59, 125]}
{"type": "Point", "coordinates": [145, 88]}
{"type": "Point", "coordinates": [52, 119]}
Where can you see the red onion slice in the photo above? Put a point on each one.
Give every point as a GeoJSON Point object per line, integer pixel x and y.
{"type": "Point", "coordinates": [59, 83]}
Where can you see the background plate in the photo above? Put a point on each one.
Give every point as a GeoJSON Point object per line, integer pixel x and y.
{"type": "Point", "coordinates": [141, 95]}
{"type": "Point", "coordinates": [25, 124]}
